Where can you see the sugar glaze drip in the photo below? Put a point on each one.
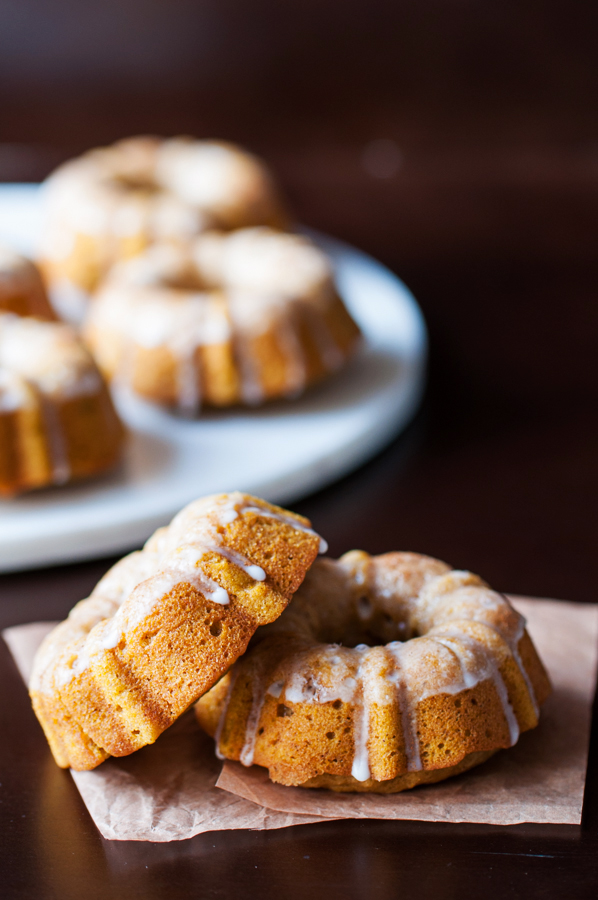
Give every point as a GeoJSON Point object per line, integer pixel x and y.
{"type": "Point", "coordinates": [188, 381]}
{"type": "Point", "coordinates": [61, 469]}
{"type": "Point", "coordinates": [288, 520]}
{"type": "Point", "coordinates": [397, 677]}
{"type": "Point", "coordinates": [360, 770]}
{"type": "Point", "coordinates": [258, 697]}
{"type": "Point", "coordinates": [356, 677]}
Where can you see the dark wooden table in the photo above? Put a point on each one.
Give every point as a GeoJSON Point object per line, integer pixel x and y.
{"type": "Point", "coordinates": [490, 214]}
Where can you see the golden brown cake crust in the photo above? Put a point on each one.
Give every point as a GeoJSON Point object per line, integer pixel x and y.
{"type": "Point", "coordinates": [384, 673]}
{"type": "Point", "coordinates": [163, 625]}
{"type": "Point", "coordinates": [347, 784]}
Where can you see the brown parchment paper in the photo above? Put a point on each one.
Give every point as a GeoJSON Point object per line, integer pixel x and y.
{"type": "Point", "coordinates": [165, 792]}
{"type": "Point", "coordinates": [172, 790]}
{"type": "Point", "coordinates": [541, 779]}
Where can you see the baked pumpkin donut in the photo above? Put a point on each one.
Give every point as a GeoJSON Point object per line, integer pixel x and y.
{"type": "Point", "coordinates": [164, 624]}
{"type": "Point", "coordinates": [384, 673]}
{"type": "Point", "coordinates": [22, 290]}
{"type": "Point", "coordinates": [236, 318]}
{"type": "Point", "coordinates": [57, 421]}
{"type": "Point", "coordinates": [112, 202]}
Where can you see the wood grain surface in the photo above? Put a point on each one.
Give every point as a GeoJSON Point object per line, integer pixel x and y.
{"type": "Point", "coordinates": [458, 143]}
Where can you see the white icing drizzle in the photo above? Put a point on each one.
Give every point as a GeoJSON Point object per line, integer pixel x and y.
{"type": "Point", "coordinates": [253, 720]}
{"type": "Point", "coordinates": [61, 469]}
{"type": "Point", "coordinates": [360, 769]}
{"type": "Point", "coordinates": [237, 559]}
{"type": "Point", "coordinates": [188, 378]}
{"type": "Point", "coordinates": [265, 280]}
{"type": "Point", "coordinates": [446, 659]}
{"type": "Point", "coordinates": [275, 689]}
{"type": "Point", "coordinates": [473, 673]}
{"type": "Point", "coordinates": [47, 355]}
{"type": "Point", "coordinates": [228, 516]}
{"type": "Point", "coordinates": [132, 580]}
{"type": "Point", "coordinates": [302, 685]}
{"type": "Point", "coordinates": [143, 600]}
{"type": "Point", "coordinates": [14, 392]}
{"type": "Point", "coordinates": [398, 678]}
{"type": "Point", "coordinates": [252, 391]}
{"type": "Point", "coordinates": [288, 520]}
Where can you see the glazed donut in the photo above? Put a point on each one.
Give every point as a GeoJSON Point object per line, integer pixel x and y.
{"type": "Point", "coordinates": [164, 624]}
{"type": "Point", "coordinates": [237, 318]}
{"type": "Point", "coordinates": [384, 673]}
{"type": "Point", "coordinates": [112, 202]}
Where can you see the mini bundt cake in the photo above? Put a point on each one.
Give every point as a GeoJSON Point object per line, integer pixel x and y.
{"type": "Point", "coordinates": [164, 624]}
{"type": "Point", "coordinates": [57, 421]}
{"type": "Point", "coordinates": [112, 202]}
{"type": "Point", "coordinates": [384, 673]}
{"type": "Point", "coordinates": [22, 290]}
{"type": "Point", "coordinates": [235, 318]}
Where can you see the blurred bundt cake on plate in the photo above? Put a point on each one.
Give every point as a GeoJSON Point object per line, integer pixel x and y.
{"type": "Point", "coordinates": [241, 317]}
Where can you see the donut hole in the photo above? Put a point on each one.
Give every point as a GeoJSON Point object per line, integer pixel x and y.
{"type": "Point", "coordinates": [351, 615]}
{"type": "Point", "coordinates": [371, 626]}
{"type": "Point", "coordinates": [138, 182]}
{"type": "Point", "coordinates": [185, 281]}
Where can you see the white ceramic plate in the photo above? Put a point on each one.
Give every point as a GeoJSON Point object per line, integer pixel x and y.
{"type": "Point", "coordinates": [281, 451]}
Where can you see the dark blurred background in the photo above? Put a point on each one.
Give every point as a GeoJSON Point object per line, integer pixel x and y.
{"type": "Point", "coordinates": [457, 141]}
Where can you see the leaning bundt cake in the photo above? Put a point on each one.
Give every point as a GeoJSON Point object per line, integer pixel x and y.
{"type": "Point", "coordinates": [235, 318]}
{"type": "Point", "coordinates": [112, 202]}
{"type": "Point", "coordinates": [164, 624]}
{"type": "Point", "coordinates": [57, 421]}
{"type": "Point", "coordinates": [384, 673]}
{"type": "Point", "coordinates": [22, 290]}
